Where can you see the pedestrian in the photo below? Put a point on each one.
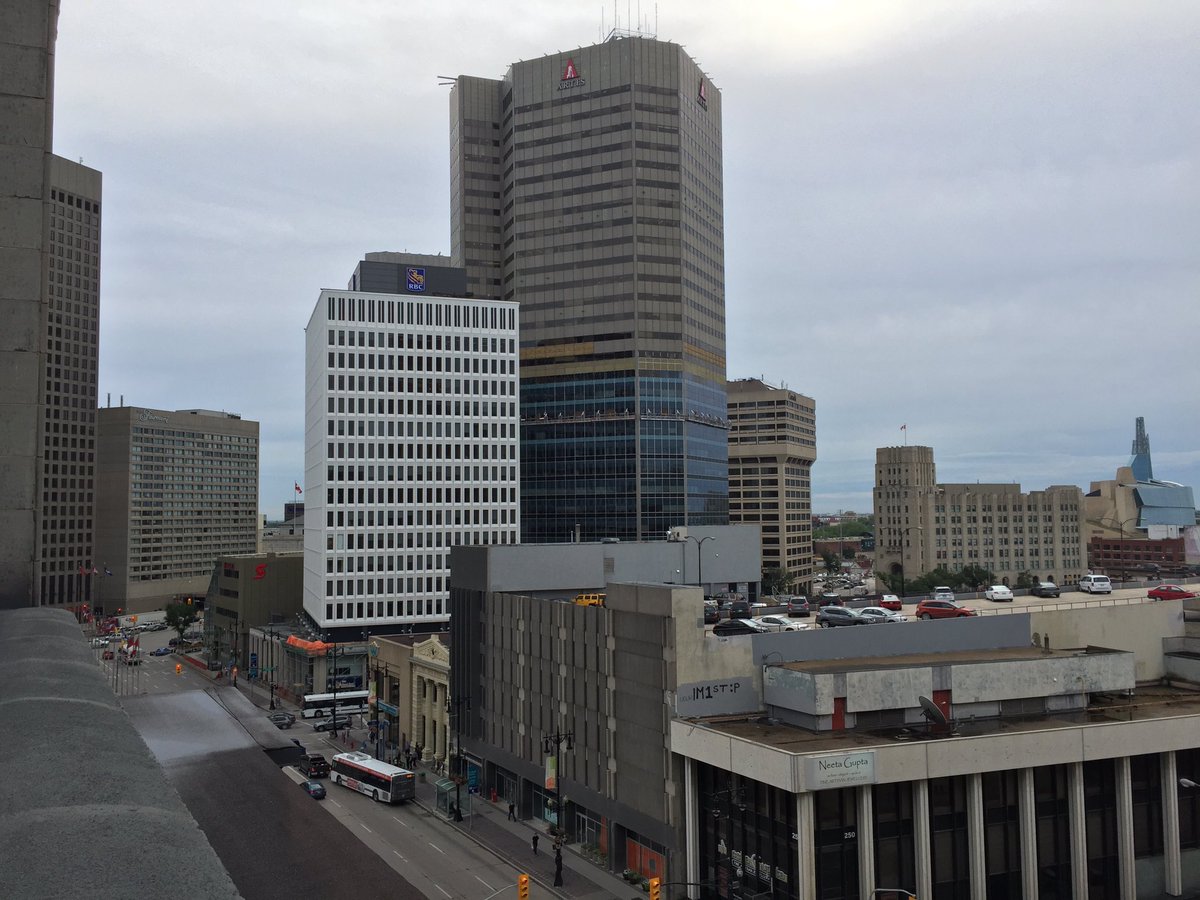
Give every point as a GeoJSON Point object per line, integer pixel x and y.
{"type": "Point", "coordinates": [535, 840]}
{"type": "Point", "coordinates": [558, 879]}
{"type": "Point", "coordinates": [512, 811]}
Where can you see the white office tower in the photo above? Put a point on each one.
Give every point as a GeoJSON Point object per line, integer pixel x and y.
{"type": "Point", "coordinates": [411, 446]}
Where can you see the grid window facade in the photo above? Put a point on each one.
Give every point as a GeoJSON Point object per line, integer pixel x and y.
{"type": "Point", "coordinates": [412, 447]}
{"type": "Point", "coordinates": [67, 500]}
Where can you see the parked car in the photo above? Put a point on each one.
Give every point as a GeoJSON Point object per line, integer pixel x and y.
{"type": "Point", "coordinates": [942, 609]}
{"type": "Point", "coordinates": [998, 592]}
{"type": "Point", "coordinates": [835, 616]}
{"type": "Point", "coordinates": [314, 789]}
{"type": "Point", "coordinates": [1044, 589]}
{"type": "Point", "coordinates": [107, 654]}
{"type": "Point", "coordinates": [712, 614]}
{"type": "Point", "coordinates": [1169, 592]}
{"type": "Point", "coordinates": [175, 642]}
{"type": "Point", "coordinates": [779, 623]}
{"type": "Point", "coordinates": [797, 607]}
{"type": "Point", "coordinates": [732, 627]}
{"type": "Point", "coordinates": [332, 723]}
{"type": "Point", "coordinates": [891, 601]}
{"type": "Point", "coordinates": [876, 614]}
{"type": "Point", "coordinates": [314, 765]}
{"type": "Point", "coordinates": [161, 651]}
{"type": "Point", "coordinates": [943, 593]}
{"type": "Point", "coordinates": [830, 599]}
{"type": "Point", "coordinates": [1095, 584]}
{"type": "Point", "coordinates": [739, 609]}
{"type": "Point", "coordinates": [282, 719]}
{"type": "Point", "coordinates": [99, 642]}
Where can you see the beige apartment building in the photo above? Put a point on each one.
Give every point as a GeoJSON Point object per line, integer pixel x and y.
{"type": "Point", "coordinates": [921, 525]}
{"type": "Point", "coordinates": [772, 446]}
{"type": "Point", "coordinates": [174, 492]}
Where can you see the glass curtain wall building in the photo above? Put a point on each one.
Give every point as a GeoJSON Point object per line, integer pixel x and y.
{"type": "Point", "coordinates": [587, 186]}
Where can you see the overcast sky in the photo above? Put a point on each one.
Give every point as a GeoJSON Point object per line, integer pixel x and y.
{"type": "Point", "coordinates": [979, 219]}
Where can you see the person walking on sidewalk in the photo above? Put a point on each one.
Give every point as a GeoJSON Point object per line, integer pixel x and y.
{"type": "Point", "coordinates": [558, 879]}
{"type": "Point", "coordinates": [512, 811]}
{"type": "Point", "coordinates": [534, 842]}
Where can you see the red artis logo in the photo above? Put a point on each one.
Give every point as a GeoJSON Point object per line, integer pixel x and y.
{"type": "Point", "coordinates": [260, 571]}
{"type": "Point", "coordinates": [570, 71]}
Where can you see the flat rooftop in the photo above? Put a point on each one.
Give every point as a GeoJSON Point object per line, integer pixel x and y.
{"type": "Point", "coordinates": [941, 658]}
{"type": "Point", "coordinates": [1153, 702]}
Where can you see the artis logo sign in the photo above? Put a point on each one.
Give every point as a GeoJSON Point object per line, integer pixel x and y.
{"type": "Point", "coordinates": [570, 77]}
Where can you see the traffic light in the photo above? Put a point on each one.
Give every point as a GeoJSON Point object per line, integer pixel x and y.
{"type": "Point", "coordinates": [178, 668]}
{"type": "Point", "coordinates": [522, 887]}
{"type": "Point", "coordinates": [655, 889]}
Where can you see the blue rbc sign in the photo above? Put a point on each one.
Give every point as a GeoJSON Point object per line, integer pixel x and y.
{"type": "Point", "coordinates": [416, 280]}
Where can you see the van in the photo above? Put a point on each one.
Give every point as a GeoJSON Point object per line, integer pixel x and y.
{"type": "Point", "coordinates": [314, 765]}
{"type": "Point", "coordinates": [590, 599]}
{"type": "Point", "coordinates": [1095, 584]}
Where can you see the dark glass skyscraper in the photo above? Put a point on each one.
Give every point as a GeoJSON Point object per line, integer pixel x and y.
{"type": "Point", "coordinates": [587, 186]}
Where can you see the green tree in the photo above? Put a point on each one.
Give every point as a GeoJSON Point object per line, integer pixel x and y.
{"type": "Point", "coordinates": [973, 577]}
{"type": "Point", "coordinates": [180, 616]}
{"type": "Point", "coordinates": [776, 581]}
{"type": "Point", "coordinates": [832, 564]}
{"type": "Point", "coordinates": [1026, 580]}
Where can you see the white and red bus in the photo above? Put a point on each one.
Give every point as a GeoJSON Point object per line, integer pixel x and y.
{"type": "Point", "coordinates": [317, 706]}
{"type": "Point", "coordinates": [378, 780]}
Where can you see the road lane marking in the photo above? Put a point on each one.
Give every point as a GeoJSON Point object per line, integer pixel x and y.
{"type": "Point", "coordinates": [401, 855]}
{"type": "Point", "coordinates": [401, 821]}
{"type": "Point", "coordinates": [335, 803]}
{"type": "Point", "coordinates": [365, 828]}
{"type": "Point", "coordinates": [484, 883]}
{"type": "Point", "coordinates": [436, 847]}
{"type": "Point", "coordinates": [439, 887]}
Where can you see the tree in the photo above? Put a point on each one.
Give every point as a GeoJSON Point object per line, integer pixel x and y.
{"type": "Point", "coordinates": [1026, 580]}
{"type": "Point", "coordinates": [974, 577]}
{"type": "Point", "coordinates": [776, 581]}
{"type": "Point", "coordinates": [180, 616]}
{"type": "Point", "coordinates": [832, 563]}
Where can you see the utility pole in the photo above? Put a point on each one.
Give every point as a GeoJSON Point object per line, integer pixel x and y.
{"type": "Point", "coordinates": [456, 705]}
{"type": "Point", "coordinates": [552, 743]}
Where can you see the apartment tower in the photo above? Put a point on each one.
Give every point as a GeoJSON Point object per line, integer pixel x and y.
{"type": "Point", "coordinates": [587, 187]}
{"type": "Point", "coordinates": [410, 448]}
{"type": "Point", "coordinates": [772, 447]}
{"type": "Point", "coordinates": [175, 490]}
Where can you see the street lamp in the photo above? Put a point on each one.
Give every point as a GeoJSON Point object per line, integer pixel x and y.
{"type": "Point", "coordinates": [331, 674]}
{"type": "Point", "coordinates": [700, 557]}
{"type": "Point", "coordinates": [552, 743]}
{"type": "Point", "coordinates": [1121, 526]}
{"type": "Point", "coordinates": [1188, 783]}
{"type": "Point", "coordinates": [903, 532]}
{"type": "Point", "coordinates": [456, 705]}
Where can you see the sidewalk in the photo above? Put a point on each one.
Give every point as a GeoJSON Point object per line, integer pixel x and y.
{"type": "Point", "coordinates": [488, 826]}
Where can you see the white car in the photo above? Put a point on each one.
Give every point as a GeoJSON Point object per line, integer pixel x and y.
{"type": "Point", "coordinates": [999, 592]}
{"type": "Point", "coordinates": [877, 614]}
{"type": "Point", "coordinates": [780, 623]}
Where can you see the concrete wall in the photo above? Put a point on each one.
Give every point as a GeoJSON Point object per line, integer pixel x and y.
{"type": "Point", "coordinates": [1139, 629]}
{"type": "Point", "coordinates": [28, 30]}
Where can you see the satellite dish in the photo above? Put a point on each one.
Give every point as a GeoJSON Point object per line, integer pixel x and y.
{"type": "Point", "coordinates": [932, 712]}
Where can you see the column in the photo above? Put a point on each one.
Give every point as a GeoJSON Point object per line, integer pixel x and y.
{"type": "Point", "coordinates": [866, 842]}
{"type": "Point", "coordinates": [806, 845]}
{"type": "Point", "coordinates": [1169, 777]}
{"type": "Point", "coordinates": [691, 820]}
{"type": "Point", "coordinates": [922, 838]}
{"type": "Point", "coordinates": [976, 855]}
{"type": "Point", "coordinates": [1124, 799]}
{"type": "Point", "coordinates": [1079, 875]}
{"type": "Point", "coordinates": [1027, 810]}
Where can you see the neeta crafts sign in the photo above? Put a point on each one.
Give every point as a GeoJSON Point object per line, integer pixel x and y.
{"type": "Point", "coordinates": [842, 770]}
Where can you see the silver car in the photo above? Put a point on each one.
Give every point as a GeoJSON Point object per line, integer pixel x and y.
{"type": "Point", "coordinates": [875, 614]}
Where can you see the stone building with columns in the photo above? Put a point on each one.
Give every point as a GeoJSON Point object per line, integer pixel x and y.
{"type": "Point", "coordinates": [410, 677]}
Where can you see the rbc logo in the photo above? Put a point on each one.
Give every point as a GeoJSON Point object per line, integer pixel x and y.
{"type": "Point", "coordinates": [260, 571]}
{"type": "Point", "coordinates": [416, 280]}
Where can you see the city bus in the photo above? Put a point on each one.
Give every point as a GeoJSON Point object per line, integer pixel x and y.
{"type": "Point", "coordinates": [317, 706]}
{"type": "Point", "coordinates": [378, 780]}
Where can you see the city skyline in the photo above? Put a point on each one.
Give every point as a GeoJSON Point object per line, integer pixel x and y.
{"type": "Point", "coordinates": [1004, 196]}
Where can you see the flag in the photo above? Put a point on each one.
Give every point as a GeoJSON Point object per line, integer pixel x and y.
{"type": "Point", "coordinates": [298, 489]}
{"type": "Point", "coordinates": [107, 570]}
{"type": "Point", "coordinates": [81, 571]}
{"type": "Point", "coordinates": [94, 571]}
{"type": "Point", "coordinates": [904, 427]}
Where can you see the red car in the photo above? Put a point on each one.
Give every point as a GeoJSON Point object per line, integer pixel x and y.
{"type": "Point", "coordinates": [1169, 592]}
{"type": "Point", "coordinates": [892, 602]}
{"type": "Point", "coordinates": [942, 609]}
